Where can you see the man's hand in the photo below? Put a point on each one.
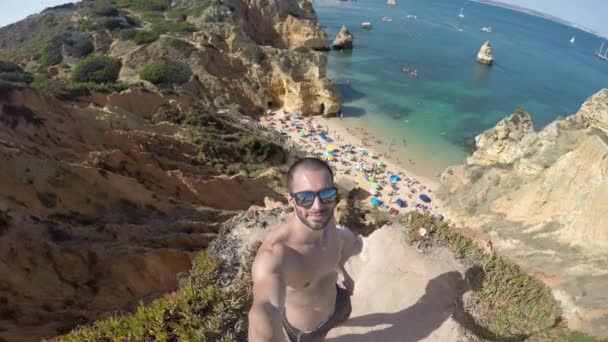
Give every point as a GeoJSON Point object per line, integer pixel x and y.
{"type": "Point", "coordinates": [348, 282]}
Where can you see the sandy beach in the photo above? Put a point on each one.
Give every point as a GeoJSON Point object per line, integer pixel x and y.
{"type": "Point", "coordinates": [355, 155]}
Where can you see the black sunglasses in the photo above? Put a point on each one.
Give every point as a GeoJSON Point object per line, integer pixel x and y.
{"type": "Point", "coordinates": [307, 198]}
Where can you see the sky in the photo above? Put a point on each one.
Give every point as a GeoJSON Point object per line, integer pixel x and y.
{"type": "Point", "coordinates": [588, 13]}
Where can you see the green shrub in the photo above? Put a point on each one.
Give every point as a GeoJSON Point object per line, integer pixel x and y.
{"type": "Point", "coordinates": [127, 34]}
{"type": "Point", "coordinates": [97, 69]}
{"type": "Point", "coordinates": [166, 72]}
{"type": "Point", "coordinates": [104, 8]}
{"type": "Point", "coordinates": [199, 311]}
{"type": "Point", "coordinates": [78, 44]}
{"type": "Point", "coordinates": [258, 148]}
{"type": "Point", "coordinates": [46, 85]}
{"type": "Point", "coordinates": [114, 23]}
{"type": "Point", "coordinates": [184, 48]}
{"type": "Point", "coordinates": [51, 53]}
{"type": "Point", "coordinates": [145, 37]}
{"type": "Point", "coordinates": [84, 26]}
{"type": "Point", "coordinates": [8, 66]}
{"type": "Point", "coordinates": [147, 5]}
{"type": "Point", "coordinates": [16, 76]}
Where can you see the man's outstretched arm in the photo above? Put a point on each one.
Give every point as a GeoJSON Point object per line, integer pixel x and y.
{"type": "Point", "coordinates": [265, 316]}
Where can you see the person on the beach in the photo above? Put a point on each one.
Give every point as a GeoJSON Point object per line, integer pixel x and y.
{"type": "Point", "coordinates": [295, 272]}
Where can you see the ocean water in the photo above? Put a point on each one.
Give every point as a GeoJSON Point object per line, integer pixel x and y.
{"type": "Point", "coordinates": [435, 116]}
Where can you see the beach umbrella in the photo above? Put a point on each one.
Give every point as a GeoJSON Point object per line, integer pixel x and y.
{"type": "Point", "coordinates": [357, 167]}
{"type": "Point", "coordinates": [351, 157]}
{"type": "Point", "coordinates": [371, 154]}
{"type": "Point", "coordinates": [302, 133]}
{"type": "Point", "coordinates": [374, 192]}
{"type": "Point", "coordinates": [331, 147]}
{"type": "Point", "coordinates": [380, 163]}
{"type": "Point", "coordinates": [330, 158]}
{"type": "Point", "coordinates": [394, 178]}
{"type": "Point", "coordinates": [365, 176]}
{"type": "Point", "coordinates": [311, 150]}
{"type": "Point", "coordinates": [372, 179]}
{"type": "Point", "coordinates": [331, 153]}
{"type": "Point", "coordinates": [425, 198]}
{"type": "Point", "coordinates": [375, 201]}
{"type": "Point", "coordinates": [400, 202]}
{"type": "Point", "coordinates": [375, 185]}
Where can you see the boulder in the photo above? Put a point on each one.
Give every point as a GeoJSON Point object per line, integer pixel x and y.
{"type": "Point", "coordinates": [344, 39]}
{"type": "Point", "coordinates": [485, 54]}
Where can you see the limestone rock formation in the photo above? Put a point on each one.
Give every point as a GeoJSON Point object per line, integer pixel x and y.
{"type": "Point", "coordinates": [484, 56]}
{"type": "Point", "coordinates": [541, 197]}
{"type": "Point", "coordinates": [254, 54]}
{"type": "Point", "coordinates": [100, 207]}
{"type": "Point", "coordinates": [344, 39]}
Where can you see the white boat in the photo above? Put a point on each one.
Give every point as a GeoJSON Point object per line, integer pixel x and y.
{"type": "Point", "coordinates": [572, 40]}
{"type": "Point", "coordinates": [411, 16]}
{"type": "Point", "coordinates": [387, 19]}
{"type": "Point", "coordinates": [602, 54]}
{"type": "Point", "coordinates": [391, 2]}
{"type": "Point", "coordinates": [366, 25]}
{"type": "Point", "coordinates": [461, 14]}
{"type": "Point", "coordinates": [486, 29]}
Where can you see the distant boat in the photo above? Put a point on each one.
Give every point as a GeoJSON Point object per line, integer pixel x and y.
{"type": "Point", "coordinates": [572, 40]}
{"type": "Point", "coordinates": [487, 29]}
{"type": "Point", "coordinates": [411, 16]}
{"type": "Point", "coordinates": [603, 55]}
{"type": "Point", "coordinates": [387, 19]}
{"type": "Point", "coordinates": [461, 14]}
{"type": "Point", "coordinates": [391, 2]}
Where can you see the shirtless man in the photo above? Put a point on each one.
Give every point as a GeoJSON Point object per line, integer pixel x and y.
{"type": "Point", "coordinates": [295, 295]}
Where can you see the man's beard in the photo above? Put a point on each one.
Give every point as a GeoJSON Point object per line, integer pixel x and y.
{"type": "Point", "coordinates": [314, 225]}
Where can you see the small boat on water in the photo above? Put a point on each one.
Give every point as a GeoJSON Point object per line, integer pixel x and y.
{"type": "Point", "coordinates": [366, 25]}
{"type": "Point", "coordinates": [391, 2]}
{"type": "Point", "coordinates": [602, 55]}
{"type": "Point", "coordinates": [405, 70]}
{"type": "Point", "coordinates": [411, 16]}
{"type": "Point", "coordinates": [461, 14]}
{"type": "Point", "coordinates": [572, 40]}
{"type": "Point", "coordinates": [387, 19]}
{"type": "Point", "coordinates": [487, 29]}
{"type": "Point", "coordinates": [414, 73]}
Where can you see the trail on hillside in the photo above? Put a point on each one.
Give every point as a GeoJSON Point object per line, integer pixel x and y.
{"type": "Point", "coordinates": [402, 294]}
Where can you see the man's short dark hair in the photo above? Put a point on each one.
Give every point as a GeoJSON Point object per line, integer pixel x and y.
{"type": "Point", "coordinates": [308, 164]}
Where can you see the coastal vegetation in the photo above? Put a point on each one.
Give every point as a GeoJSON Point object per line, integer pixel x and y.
{"type": "Point", "coordinates": [201, 310]}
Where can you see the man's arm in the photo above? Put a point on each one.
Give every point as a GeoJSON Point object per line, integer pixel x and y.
{"type": "Point", "coordinates": [265, 316]}
{"type": "Point", "coordinates": [351, 245]}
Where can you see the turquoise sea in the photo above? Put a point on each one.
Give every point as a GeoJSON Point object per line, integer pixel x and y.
{"type": "Point", "coordinates": [454, 98]}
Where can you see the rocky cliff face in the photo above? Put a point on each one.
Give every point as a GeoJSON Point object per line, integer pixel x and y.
{"type": "Point", "coordinates": [541, 198]}
{"type": "Point", "coordinates": [255, 54]}
{"type": "Point", "coordinates": [101, 206]}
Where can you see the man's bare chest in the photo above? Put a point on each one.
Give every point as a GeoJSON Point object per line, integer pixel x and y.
{"type": "Point", "coordinates": [308, 265]}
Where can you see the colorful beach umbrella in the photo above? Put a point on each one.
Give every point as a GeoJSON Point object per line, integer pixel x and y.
{"type": "Point", "coordinates": [302, 133]}
{"type": "Point", "coordinates": [331, 147]}
{"type": "Point", "coordinates": [379, 163]}
{"type": "Point", "coordinates": [375, 185]}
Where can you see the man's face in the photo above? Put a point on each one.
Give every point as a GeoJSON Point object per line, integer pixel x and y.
{"type": "Point", "coordinates": [318, 214]}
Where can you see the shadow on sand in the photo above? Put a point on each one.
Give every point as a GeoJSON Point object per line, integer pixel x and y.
{"type": "Point", "coordinates": [442, 300]}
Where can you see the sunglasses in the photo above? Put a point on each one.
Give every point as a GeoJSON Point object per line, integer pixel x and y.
{"type": "Point", "coordinates": [307, 198]}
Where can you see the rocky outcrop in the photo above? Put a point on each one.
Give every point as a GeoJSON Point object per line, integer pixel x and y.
{"type": "Point", "coordinates": [100, 207]}
{"type": "Point", "coordinates": [595, 110]}
{"type": "Point", "coordinates": [541, 197]}
{"type": "Point", "coordinates": [344, 39]}
{"type": "Point", "coordinates": [484, 56]}
{"type": "Point", "coordinates": [246, 53]}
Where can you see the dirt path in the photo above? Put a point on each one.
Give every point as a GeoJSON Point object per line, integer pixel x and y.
{"type": "Point", "coordinates": [401, 294]}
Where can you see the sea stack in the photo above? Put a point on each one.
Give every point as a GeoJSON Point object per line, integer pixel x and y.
{"type": "Point", "coordinates": [485, 54]}
{"type": "Point", "coordinates": [344, 39]}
